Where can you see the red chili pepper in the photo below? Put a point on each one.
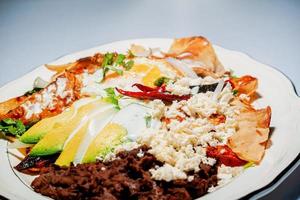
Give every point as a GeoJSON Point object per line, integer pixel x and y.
{"type": "Point", "coordinates": [149, 89]}
{"type": "Point", "coordinates": [153, 95]}
{"type": "Point", "coordinates": [231, 83]}
{"type": "Point", "coordinates": [225, 155]}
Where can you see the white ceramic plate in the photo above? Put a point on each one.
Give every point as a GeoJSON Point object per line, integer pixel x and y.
{"type": "Point", "coordinates": [276, 90]}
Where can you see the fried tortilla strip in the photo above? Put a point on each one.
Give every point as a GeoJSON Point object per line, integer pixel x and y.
{"type": "Point", "coordinates": [245, 84]}
{"type": "Point", "coordinates": [198, 52]}
{"type": "Point", "coordinates": [10, 104]}
{"type": "Point", "coordinates": [204, 72]}
{"type": "Point", "coordinates": [60, 68]}
{"type": "Point", "coordinates": [249, 142]}
{"type": "Point", "coordinates": [89, 64]}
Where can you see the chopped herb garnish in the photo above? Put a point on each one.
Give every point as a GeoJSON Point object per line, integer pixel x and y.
{"type": "Point", "coordinates": [12, 127]}
{"type": "Point", "coordinates": [234, 92]}
{"type": "Point", "coordinates": [114, 62]}
{"type": "Point", "coordinates": [115, 69]}
{"type": "Point", "coordinates": [128, 65]}
{"type": "Point", "coordinates": [148, 119]}
{"type": "Point", "coordinates": [110, 91]}
{"type": "Point", "coordinates": [9, 121]}
{"type": "Point", "coordinates": [108, 59]}
{"type": "Point", "coordinates": [160, 81]}
{"type": "Point", "coordinates": [249, 164]}
{"type": "Point", "coordinates": [30, 92]}
{"type": "Point", "coordinates": [120, 59]}
{"type": "Point", "coordinates": [112, 97]}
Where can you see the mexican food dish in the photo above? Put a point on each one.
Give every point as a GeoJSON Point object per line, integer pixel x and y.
{"type": "Point", "coordinates": [144, 124]}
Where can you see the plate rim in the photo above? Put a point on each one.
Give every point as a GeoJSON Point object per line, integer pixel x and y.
{"type": "Point", "coordinates": [292, 91]}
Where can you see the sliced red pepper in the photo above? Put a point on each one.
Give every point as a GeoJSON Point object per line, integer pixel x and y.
{"type": "Point", "coordinates": [168, 120]}
{"type": "Point", "coordinates": [231, 83]}
{"type": "Point", "coordinates": [225, 155]}
{"type": "Point", "coordinates": [217, 118]}
{"type": "Point", "coordinates": [149, 89]}
{"type": "Point", "coordinates": [153, 95]}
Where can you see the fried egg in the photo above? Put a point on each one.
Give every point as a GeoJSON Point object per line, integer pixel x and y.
{"type": "Point", "coordinates": [144, 71]}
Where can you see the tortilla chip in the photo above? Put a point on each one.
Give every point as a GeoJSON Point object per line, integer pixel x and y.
{"type": "Point", "coordinates": [197, 49]}
{"type": "Point", "coordinates": [249, 142]}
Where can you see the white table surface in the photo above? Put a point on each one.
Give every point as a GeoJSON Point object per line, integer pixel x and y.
{"type": "Point", "coordinates": [36, 32]}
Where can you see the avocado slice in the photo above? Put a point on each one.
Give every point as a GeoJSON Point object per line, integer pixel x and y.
{"type": "Point", "coordinates": [73, 143]}
{"type": "Point", "coordinates": [69, 151]}
{"type": "Point", "coordinates": [40, 129]}
{"type": "Point", "coordinates": [54, 140]}
{"type": "Point", "coordinates": [109, 137]}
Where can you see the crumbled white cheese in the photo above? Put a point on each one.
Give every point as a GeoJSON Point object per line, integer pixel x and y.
{"type": "Point", "coordinates": [178, 89]}
{"type": "Point", "coordinates": [190, 178]}
{"type": "Point", "coordinates": [127, 146]}
{"type": "Point", "coordinates": [178, 150]}
{"type": "Point", "coordinates": [167, 173]}
{"type": "Point", "coordinates": [158, 108]}
{"type": "Point", "coordinates": [47, 99]}
{"type": "Point", "coordinates": [225, 174]}
{"type": "Point", "coordinates": [32, 109]}
{"type": "Point", "coordinates": [202, 104]}
{"type": "Point", "coordinates": [108, 157]}
{"type": "Point", "coordinates": [61, 84]}
{"type": "Point", "coordinates": [211, 189]}
{"type": "Point", "coordinates": [183, 86]}
{"type": "Point", "coordinates": [173, 111]}
{"type": "Point", "coordinates": [140, 153]}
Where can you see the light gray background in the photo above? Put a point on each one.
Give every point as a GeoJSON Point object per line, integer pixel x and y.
{"type": "Point", "coordinates": [35, 32]}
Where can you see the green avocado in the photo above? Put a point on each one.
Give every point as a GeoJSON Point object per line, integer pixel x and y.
{"type": "Point", "coordinates": [110, 136]}
{"type": "Point", "coordinates": [40, 129]}
{"type": "Point", "coordinates": [81, 136]}
{"type": "Point", "coordinates": [54, 140]}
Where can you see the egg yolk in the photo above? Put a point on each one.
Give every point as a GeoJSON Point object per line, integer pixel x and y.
{"type": "Point", "coordinates": [151, 77]}
{"type": "Point", "coordinates": [140, 68]}
{"type": "Point", "coordinates": [150, 73]}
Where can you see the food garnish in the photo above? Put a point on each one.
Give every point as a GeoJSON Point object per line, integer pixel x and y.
{"type": "Point", "coordinates": [151, 95]}
{"type": "Point", "coordinates": [235, 92]}
{"type": "Point", "coordinates": [34, 90]}
{"type": "Point", "coordinates": [148, 119]}
{"type": "Point", "coordinates": [114, 62]}
{"type": "Point", "coordinates": [112, 97]}
{"type": "Point", "coordinates": [12, 127]}
{"type": "Point", "coordinates": [160, 81]}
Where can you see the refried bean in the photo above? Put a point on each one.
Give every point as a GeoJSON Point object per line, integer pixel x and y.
{"type": "Point", "coordinates": [126, 177]}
